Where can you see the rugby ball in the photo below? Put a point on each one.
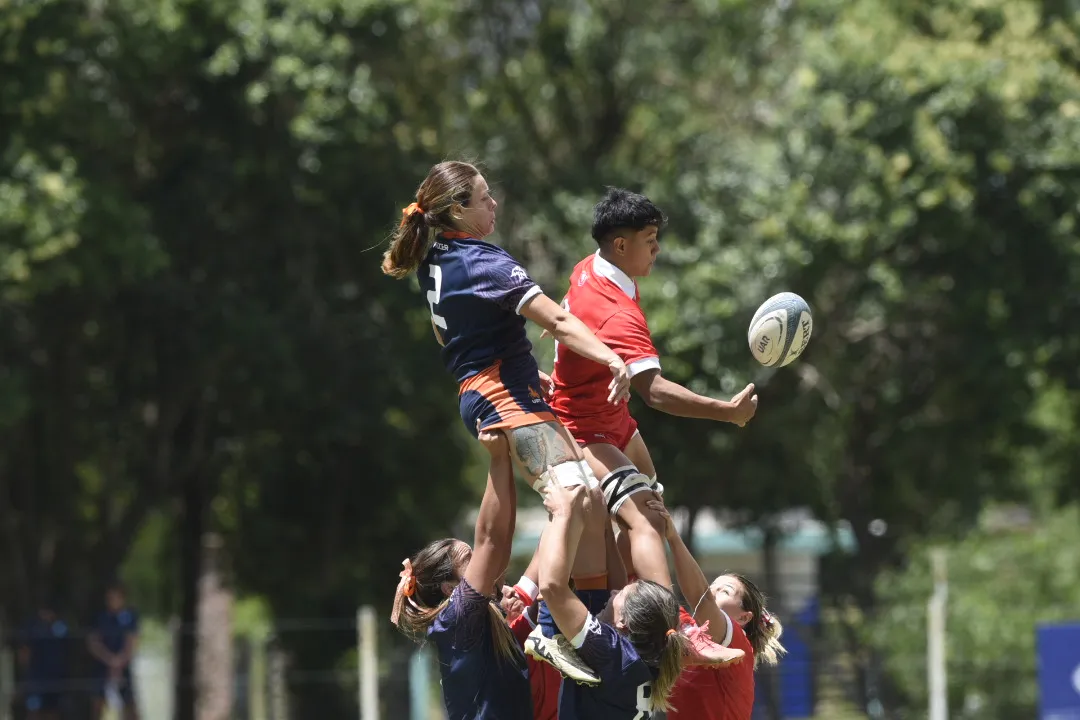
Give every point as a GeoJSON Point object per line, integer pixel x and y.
{"type": "Point", "coordinates": [780, 330]}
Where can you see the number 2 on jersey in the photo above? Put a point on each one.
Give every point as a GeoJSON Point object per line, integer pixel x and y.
{"type": "Point", "coordinates": [433, 296]}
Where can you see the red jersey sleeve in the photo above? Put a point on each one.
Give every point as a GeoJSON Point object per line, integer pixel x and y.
{"type": "Point", "coordinates": [521, 627]}
{"type": "Point", "coordinates": [628, 335]}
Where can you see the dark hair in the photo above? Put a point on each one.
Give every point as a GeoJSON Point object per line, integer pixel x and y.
{"type": "Point", "coordinates": [764, 629]}
{"type": "Point", "coordinates": [651, 614]}
{"type": "Point", "coordinates": [447, 184]}
{"type": "Point", "coordinates": [621, 211]}
{"type": "Point", "coordinates": [433, 566]}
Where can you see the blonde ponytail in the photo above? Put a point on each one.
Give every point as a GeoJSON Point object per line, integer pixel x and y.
{"type": "Point", "coordinates": [766, 641]}
{"type": "Point", "coordinates": [651, 614]}
{"type": "Point", "coordinates": [668, 670]}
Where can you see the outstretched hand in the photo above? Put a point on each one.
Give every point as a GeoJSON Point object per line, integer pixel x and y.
{"type": "Point", "coordinates": [656, 504]}
{"type": "Point", "coordinates": [744, 406]}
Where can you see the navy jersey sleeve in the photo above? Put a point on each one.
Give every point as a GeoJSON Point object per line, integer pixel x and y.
{"type": "Point", "coordinates": [465, 616]}
{"type": "Point", "coordinates": [133, 624]}
{"type": "Point", "coordinates": [499, 278]}
{"type": "Point", "coordinates": [605, 650]}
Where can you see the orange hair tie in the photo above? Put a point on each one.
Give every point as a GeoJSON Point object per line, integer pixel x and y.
{"type": "Point", "coordinates": [671, 632]}
{"type": "Point", "coordinates": [406, 586]}
{"type": "Point", "coordinates": [408, 212]}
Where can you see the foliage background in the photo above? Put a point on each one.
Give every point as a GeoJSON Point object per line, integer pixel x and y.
{"type": "Point", "coordinates": [195, 336]}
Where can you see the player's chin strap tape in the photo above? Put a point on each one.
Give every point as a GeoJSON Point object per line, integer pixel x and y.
{"type": "Point", "coordinates": [621, 483]}
{"type": "Point", "coordinates": [567, 474]}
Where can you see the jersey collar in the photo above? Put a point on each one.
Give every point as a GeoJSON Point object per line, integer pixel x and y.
{"type": "Point", "coordinates": [605, 269]}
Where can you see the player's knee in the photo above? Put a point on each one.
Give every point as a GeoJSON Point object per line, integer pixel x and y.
{"type": "Point", "coordinates": [644, 519]}
{"type": "Point", "coordinates": [621, 486]}
{"type": "Point", "coordinates": [640, 519]}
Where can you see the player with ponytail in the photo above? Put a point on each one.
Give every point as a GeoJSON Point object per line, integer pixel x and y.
{"type": "Point", "coordinates": [630, 637]}
{"type": "Point", "coordinates": [732, 610]}
{"type": "Point", "coordinates": [479, 297]}
{"type": "Point", "coordinates": [445, 594]}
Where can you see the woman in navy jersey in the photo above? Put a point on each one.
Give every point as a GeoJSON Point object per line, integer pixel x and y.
{"type": "Point", "coordinates": [479, 297]}
{"type": "Point", "coordinates": [630, 637]}
{"type": "Point", "coordinates": [445, 596]}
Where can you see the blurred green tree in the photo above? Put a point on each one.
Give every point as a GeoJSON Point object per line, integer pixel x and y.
{"type": "Point", "coordinates": [1003, 582]}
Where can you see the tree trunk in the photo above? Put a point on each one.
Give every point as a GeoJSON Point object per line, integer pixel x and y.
{"type": "Point", "coordinates": [194, 499]}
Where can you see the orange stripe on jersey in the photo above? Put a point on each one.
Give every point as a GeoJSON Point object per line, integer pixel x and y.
{"type": "Point", "coordinates": [488, 383]}
{"type": "Point", "coordinates": [522, 421]}
{"type": "Point", "coordinates": [490, 386]}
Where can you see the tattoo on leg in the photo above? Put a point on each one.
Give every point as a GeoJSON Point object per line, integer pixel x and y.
{"type": "Point", "coordinates": [538, 446]}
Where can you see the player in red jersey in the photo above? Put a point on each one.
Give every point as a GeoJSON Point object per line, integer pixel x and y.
{"type": "Point", "coordinates": [604, 295]}
{"type": "Point", "coordinates": [544, 679]}
{"type": "Point", "coordinates": [732, 610]}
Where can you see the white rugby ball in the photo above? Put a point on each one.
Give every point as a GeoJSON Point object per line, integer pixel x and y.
{"type": "Point", "coordinates": [780, 330]}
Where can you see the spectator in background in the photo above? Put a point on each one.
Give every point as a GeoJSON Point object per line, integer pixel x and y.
{"type": "Point", "coordinates": [43, 657]}
{"type": "Point", "coordinates": [112, 642]}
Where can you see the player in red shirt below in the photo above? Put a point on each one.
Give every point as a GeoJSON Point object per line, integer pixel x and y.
{"type": "Point", "coordinates": [734, 608]}
{"type": "Point", "coordinates": [544, 679]}
{"type": "Point", "coordinates": [604, 295]}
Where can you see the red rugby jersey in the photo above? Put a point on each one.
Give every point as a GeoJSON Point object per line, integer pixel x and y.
{"type": "Point", "coordinates": [717, 693]}
{"type": "Point", "coordinates": [544, 680]}
{"type": "Point", "coordinates": [606, 299]}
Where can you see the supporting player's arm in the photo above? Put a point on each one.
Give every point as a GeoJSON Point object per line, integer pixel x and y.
{"type": "Point", "coordinates": [573, 333]}
{"type": "Point", "coordinates": [558, 548]}
{"type": "Point", "coordinates": [692, 582]}
{"type": "Point", "coordinates": [525, 591]}
{"type": "Point", "coordinates": [616, 571]}
{"type": "Point", "coordinates": [672, 398]}
{"type": "Point", "coordinates": [495, 522]}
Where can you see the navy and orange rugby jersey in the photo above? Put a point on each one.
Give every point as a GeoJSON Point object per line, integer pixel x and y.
{"type": "Point", "coordinates": [626, 681]}
{"type": "Point", "coordinates": [475, 291]}
{"type": "Point", "coordinates": [476, 683]}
